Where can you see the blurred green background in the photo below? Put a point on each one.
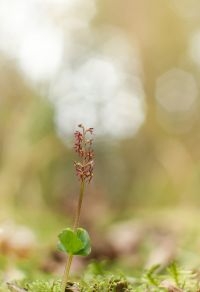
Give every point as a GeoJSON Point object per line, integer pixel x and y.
{"type": "Point", "coordinates": [152, 49]}
{"type": "Point", "coordinates": [131, 70]}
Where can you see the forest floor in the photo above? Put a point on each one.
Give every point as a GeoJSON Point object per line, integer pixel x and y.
{"type": "Point", "coordinates": [154, 251]}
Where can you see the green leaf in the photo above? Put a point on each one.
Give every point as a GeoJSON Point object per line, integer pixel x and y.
{"type": "Point", "coordinates": [84, 237]}
{"type": "Point", "coordinates": [74, 242]}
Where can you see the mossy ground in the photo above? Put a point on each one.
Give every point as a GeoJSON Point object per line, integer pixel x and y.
{"type": "Point", "coordinates": [173, 279]}
{"type": "Point", "coordinates": [99, 277]}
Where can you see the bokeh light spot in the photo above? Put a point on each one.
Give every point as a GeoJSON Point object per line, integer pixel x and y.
{"type": "Point", "coordinates": [176, 90]}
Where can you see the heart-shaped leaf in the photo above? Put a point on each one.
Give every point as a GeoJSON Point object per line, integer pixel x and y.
{"type": "Point", "coordinates": [84, 237]}
{"type": "Point", "coordinates": [74, 242]}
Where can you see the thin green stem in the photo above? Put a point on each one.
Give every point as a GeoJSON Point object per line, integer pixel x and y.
{"type": "Point", "coordinates": [80, 200]}
{"type": "Point", "coordinates": [76, 223]}
{"type": "Point", "coordinates": [66, 273]}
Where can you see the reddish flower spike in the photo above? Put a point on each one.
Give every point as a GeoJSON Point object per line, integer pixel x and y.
{"type": "Point", "coordinates": [83, 146]}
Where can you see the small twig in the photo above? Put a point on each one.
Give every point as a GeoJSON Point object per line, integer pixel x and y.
{"type": "Point", "coordinates": [14, 288]}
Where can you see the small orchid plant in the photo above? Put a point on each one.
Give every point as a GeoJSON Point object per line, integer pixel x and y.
{"type": "Point", "coordinates": [76, 240]}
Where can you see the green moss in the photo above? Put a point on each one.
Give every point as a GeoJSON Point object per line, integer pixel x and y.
{"type": "Point", "coordinates": [173, 279]}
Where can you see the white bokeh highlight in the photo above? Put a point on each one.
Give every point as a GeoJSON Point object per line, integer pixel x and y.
{"type": "Point", "coordinates": [54, 43]}
{"type": "Point", "coordinates": [176, 91]}
{"type": "Point", "coordinates": [41, 53]}
{"type": "Point", "coordinates": [99, 92]}
{"type": "Point", "coordinates": [194, 48]}
{"type": "Point", "coordinates": [177, 101]}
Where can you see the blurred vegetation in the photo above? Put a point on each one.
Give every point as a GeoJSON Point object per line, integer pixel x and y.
{"type": "Point", "coordinates": [158, 168]}
{"type": "Point", "coordinates": [154, 167]}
